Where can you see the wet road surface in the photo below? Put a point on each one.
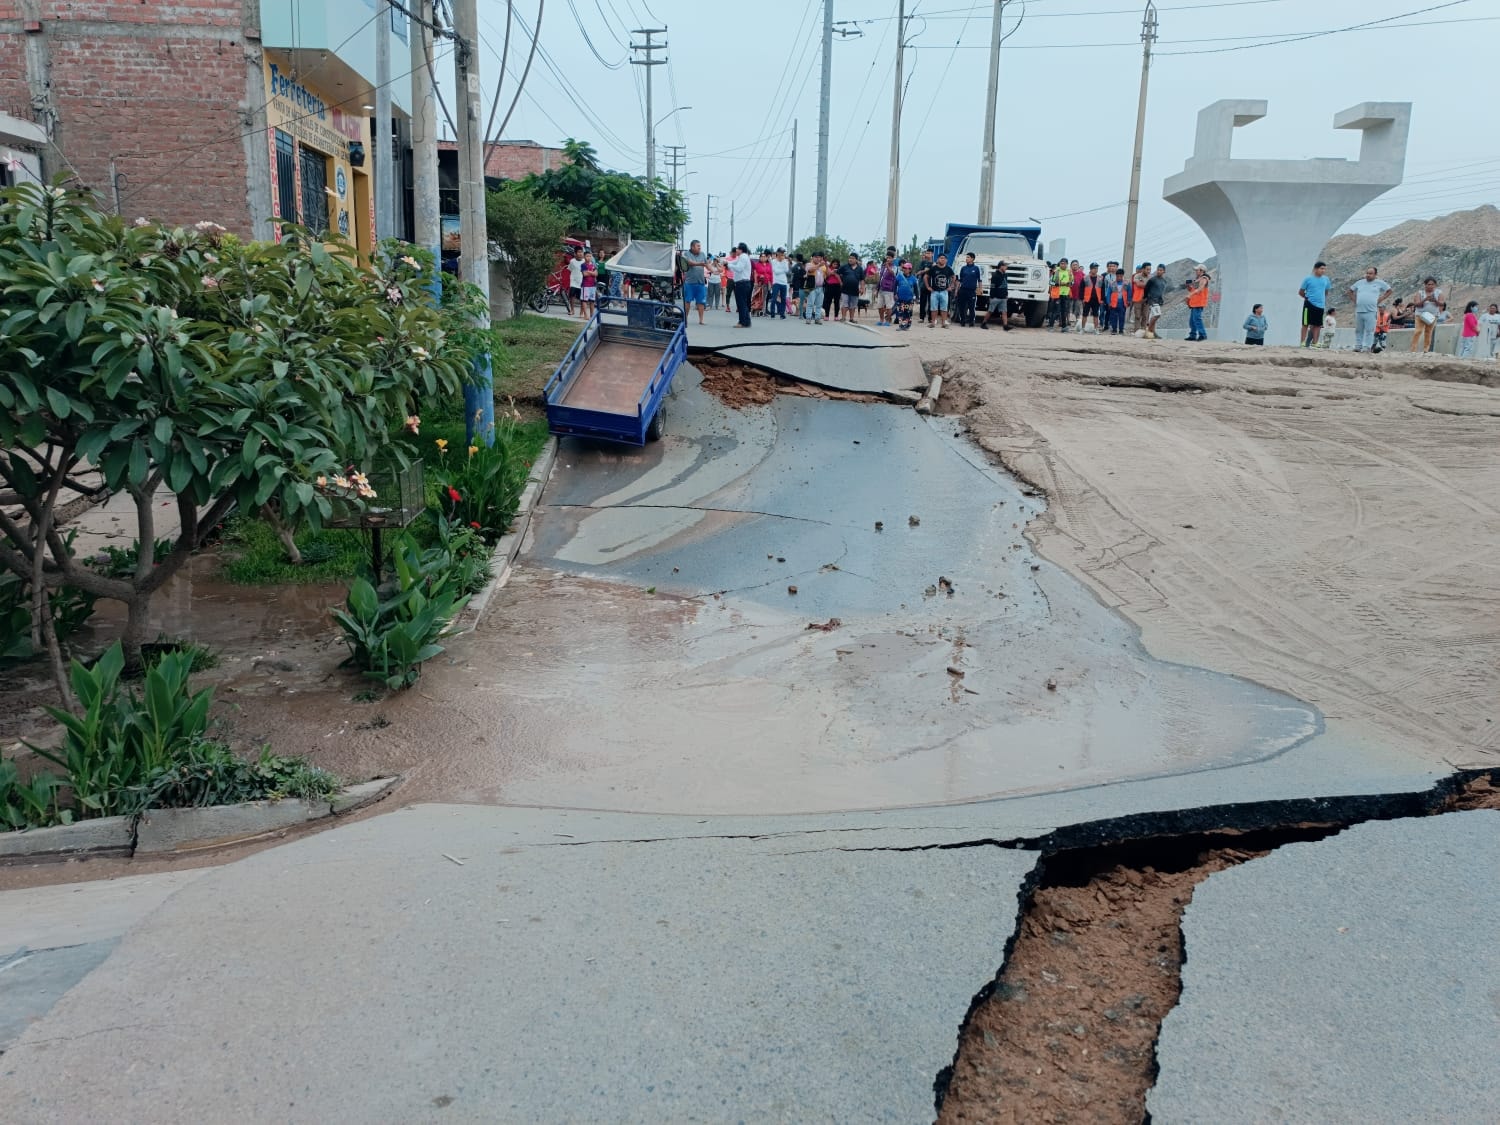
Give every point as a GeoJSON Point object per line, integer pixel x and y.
{"type": "Point", "coordinates": [649, 655]}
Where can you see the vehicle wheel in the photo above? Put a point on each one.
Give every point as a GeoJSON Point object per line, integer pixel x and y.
{"type": "Point", "coordinates": [538, 302]}
{"type": "Point", "coordinates": [658, 424]}
{"type": "Point", "coordinates": [1036, 313]}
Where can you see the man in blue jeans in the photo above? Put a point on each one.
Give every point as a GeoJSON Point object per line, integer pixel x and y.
{"type": "Point", "coordinates": [781, 269]}
{"type": "Point", "coordinates": [740, 270]}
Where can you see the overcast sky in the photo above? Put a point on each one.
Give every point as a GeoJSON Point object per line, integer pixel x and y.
{"type": "Point", "coordinates": [1069, 80]}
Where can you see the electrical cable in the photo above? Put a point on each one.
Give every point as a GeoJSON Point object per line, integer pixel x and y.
{"type": "Point", "coordinates": [536, 38]}
{"type": "Point", "coordinates": [572, 5]}
{"type": "Point", "coordinates": [490, 136]}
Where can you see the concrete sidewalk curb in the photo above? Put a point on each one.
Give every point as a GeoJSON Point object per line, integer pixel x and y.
{"type": "Point", "coordinates": [167, 831]}
{"type": "Point", "coordinates": [509, 545]}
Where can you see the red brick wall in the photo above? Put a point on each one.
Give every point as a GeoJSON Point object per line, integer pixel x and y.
{"type": "Point", "coordinates": [515, 161]}
{"type": "Point", "coordinates": [159, 86]}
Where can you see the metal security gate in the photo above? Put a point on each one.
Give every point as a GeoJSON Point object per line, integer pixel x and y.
{"type": "Point", "coordinates": [314, 190]}
{"type": "Point", "coordinates": [286, 177]}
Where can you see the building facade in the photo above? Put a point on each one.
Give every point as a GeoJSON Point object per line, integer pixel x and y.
{"type": "Point", "coordinates": [249, 113]}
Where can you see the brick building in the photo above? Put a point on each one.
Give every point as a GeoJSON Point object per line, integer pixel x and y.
{"type": "Point", "coordinates": [237, 111]}
{"type": "Point", "coordinates": [509, 160]}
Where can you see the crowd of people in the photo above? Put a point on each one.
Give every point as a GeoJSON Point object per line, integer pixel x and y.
{"type": "Point", "coordinates": [897, 291]}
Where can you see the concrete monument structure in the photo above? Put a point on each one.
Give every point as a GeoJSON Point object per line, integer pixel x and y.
{"type": "Point", "coordinates": [1269, 219]}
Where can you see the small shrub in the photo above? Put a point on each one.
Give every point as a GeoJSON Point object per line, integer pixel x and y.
{"type": "Point", "coordinates": [118, 740]}
{"type": "Point", "coordinates": [482, 488]}
{"type": "Point", "coordinates": [207, 773]}
{"type": "Point", "coordinates": [468, 555]}
{"type": "Point", "coordinates": [389, 638]}
{"type": "Point", "coordinates": [29, 804]}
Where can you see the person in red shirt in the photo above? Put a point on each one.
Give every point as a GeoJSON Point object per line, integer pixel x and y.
{"type": "Point", "coordinates": [762, 275]}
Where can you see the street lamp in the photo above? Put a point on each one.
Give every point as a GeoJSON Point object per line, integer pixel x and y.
{"type": "Point", "coordinates": [679, 109]}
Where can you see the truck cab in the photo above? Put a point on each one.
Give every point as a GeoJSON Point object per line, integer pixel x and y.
{"type": "Point", "coordinates": [1017, 246]}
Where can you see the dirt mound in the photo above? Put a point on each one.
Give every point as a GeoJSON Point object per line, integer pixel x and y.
{"type": "Point", "coordinates": [738, 385]}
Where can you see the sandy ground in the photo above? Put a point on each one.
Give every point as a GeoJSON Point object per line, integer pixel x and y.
{"type": "Point", "coordinates": [1328, 526]}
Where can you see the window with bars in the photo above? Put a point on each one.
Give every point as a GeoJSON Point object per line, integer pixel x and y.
{"type": "Point", "coordinates": [286, 177]}
{"type": "Point", "coordinates": [314, 190]}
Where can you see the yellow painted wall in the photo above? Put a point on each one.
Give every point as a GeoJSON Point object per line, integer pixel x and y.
{"type": "Point", "coordinates": [313, 121]}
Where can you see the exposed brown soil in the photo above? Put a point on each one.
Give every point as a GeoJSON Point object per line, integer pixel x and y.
{"type": "Point", "coordinates": [1069, 1032]}
{"type": "Point", "coordinates": [738, 385]}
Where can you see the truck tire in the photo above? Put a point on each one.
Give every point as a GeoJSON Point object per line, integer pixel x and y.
{"type": "Point", "coordinates": [658, 424]}
{"type": "Point", "coordinates": [1036, 313]}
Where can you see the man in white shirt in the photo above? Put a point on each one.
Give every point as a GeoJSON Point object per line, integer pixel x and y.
{"type": "Point", "coordinates": [575, 282]}
{"type": "Point", "coordinates": [1369, 294]}
{"type": "Point", "coordinates": [781, 268]}
{"type": "Point", "coordinates": [740, 269]}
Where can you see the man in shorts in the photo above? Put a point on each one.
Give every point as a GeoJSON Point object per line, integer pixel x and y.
{"type": "Point", "coordinates": [588, 292]}
{"type": "Point", "coordinates": [999, 298]}
{"type": "Point", "coordinates": [1314, 294]}
{"type": "Point", "coordinates": [885, 288]}
{"type": "Point", "coordinates": [939, 281]}
{"type": "Point", "coordinates": [851, 276]}
{"type": "Point", "coordinates": [1155, 294]}
{"type": "Point", "coordinates": [694, 265]}
{"type": "Point", "coordinates": [575, 279]}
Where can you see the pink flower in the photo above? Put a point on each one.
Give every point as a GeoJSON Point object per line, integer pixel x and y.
{"type": "Point", "coordinates": [210, 282]}
{"type": "Point", "coordinates": [393, 295]}
{"type": "Point", "coordinates": [412, 423]}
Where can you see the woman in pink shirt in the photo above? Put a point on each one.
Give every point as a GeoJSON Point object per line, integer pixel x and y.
{"type": "Point", "coordinates": [1469, 337]}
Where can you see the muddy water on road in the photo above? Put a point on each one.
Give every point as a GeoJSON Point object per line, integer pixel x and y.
{"type": "Point", "coordinates": [649, 653]}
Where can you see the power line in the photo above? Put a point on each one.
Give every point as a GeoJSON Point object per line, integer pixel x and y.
{"type": "Point", "coordinates": [573, 7]}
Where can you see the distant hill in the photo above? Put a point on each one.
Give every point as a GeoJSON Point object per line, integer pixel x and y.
{"type": "Point", "coordinates": [1461, 250]}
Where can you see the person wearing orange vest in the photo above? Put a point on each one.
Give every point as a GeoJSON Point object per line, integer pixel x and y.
{"type": "Point", "coordinates": [1116, 301]}
{"type": "Point", "coordinates": [1051, 296]}
{"type": "Point", "coordinates": [1197, 301]}
{"type": "Point", "coordinates": [1091, 295]}
{"type": "Point", "coordinates": [1138, 294]}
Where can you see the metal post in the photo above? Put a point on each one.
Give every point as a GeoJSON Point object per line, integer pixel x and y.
{"type": "Point", "coordinates": [708, 225]}
{"type": "Point", "coordinates": [991, 107]}
{"type": "Point", "coordinates": [1148, 37]}
{"type": "Point", "coordinates": [893, 205]}
{"type": "Point", "coordinates": [732, 242]}
{"type": "Point", "coordinates": [426, 218]}
{"type": "Point", "coordinates": [648, 48]}
{"type": "Point", "coordinates": [820, 220]}
{"type": "Point", "coordinates": [385, 163]}
{"type": "Point", "coordinates": [474, 257]}
{"type": "Point", "coordinates": [791, 202]}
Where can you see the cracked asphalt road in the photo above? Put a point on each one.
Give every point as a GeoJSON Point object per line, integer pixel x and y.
{"type": "Point", "coordinates": [700, 958]}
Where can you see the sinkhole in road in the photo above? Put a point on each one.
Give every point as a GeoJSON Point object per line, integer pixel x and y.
{"type": "Point", "coordinates": [1069, 1027]}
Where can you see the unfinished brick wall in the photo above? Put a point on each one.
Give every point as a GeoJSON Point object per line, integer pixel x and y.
{"type": "Point", "coordinates": [159, 86]}
{"type": "Point", "coordinates": [515, 160]}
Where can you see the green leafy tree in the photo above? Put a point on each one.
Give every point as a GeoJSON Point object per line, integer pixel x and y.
{"type": "Point", "coordinates": [592, 198]}
{"type": "Point", "coordinates": [529, 230]}
{"type": "Point", "coordinates": [225, 374]}
{"type": "Point", "coordinates": [830, 247]}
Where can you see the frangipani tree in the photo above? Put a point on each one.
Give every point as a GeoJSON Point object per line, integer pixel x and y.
{"type": "Point", "coordinates": [230, 375]}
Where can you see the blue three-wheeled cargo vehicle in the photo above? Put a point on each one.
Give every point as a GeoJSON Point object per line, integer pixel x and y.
{"type": "Point", "coordinates": [612, 383]}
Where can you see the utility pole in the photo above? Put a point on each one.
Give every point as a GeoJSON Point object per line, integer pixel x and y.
{"type": "Point", "coordinates": [676, 160]}
{"type": "Point", "coordinates": [426, 219]}
{"type": "Point", "coordinates": [893, 206]}
{"type": "Point", "coordinates": [385, 155]}
{"type": "Point", "coordinates": [474, 257]}
{"type": "Point", "coordinates": [648, 49]}
{"type": "Point", "coordinates": [791, 202]}
{"type": "Point", "coordinates": [732, 243]}
{"type": "Point", "coordinates": [991, 105]}
{"type": "Point", "coordinates": [708, 226]}
{"type": "Point", "coordinates": [821, 218]}
{"type": "Point", "coordinates": [1148, 37]}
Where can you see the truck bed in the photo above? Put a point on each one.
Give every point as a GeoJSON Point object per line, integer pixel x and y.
{"type": "Point", "coordinates": [613, 378]}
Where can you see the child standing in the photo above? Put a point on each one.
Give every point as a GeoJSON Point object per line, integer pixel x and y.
{"type": "Point", "coordinates": [588, 293]}
{"type": "Point", "coordinates": [1255, 326]}
{"type": "Point", "coordinates": [1330, 328]}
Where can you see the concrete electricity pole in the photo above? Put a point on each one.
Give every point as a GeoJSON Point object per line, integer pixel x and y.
{"type": "Point", "coordinates": [991, 104]}
{"type": "Point", "coordinates": [385, 154]}
{"type": "Point", "coordinates": [474, 257]}
{"type": "Point", "coordinates": [893, 206]}
{"type": "Point", "coordinates": [648, 48]}
{"type": "Point", "coordinates": [791, 202]}
{"type": "Point", "coordinates": [820, 219]}
{"type": "Point", "coordinates": [426, 218]}
{"type": "Point", "coordinates": [1148, 37]}
{"type": "Point", "coordinates": [676, 160]}
{"type": "Point", "coordinates": [708, 226]}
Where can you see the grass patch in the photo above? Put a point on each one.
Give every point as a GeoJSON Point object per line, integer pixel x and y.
{"type": "Point", "coordinates": [533, 346]}
{"type": "Point", "coordinates": [254, 556]}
